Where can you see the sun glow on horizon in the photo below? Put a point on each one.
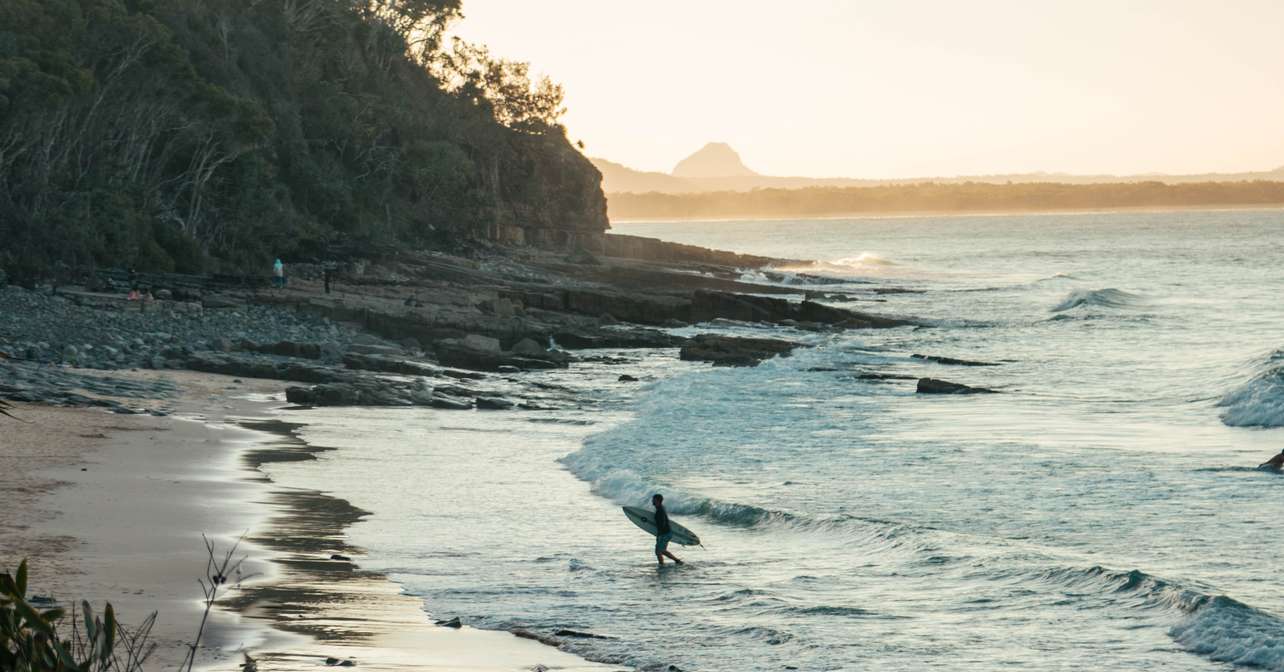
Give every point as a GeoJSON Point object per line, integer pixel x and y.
{"type": "Point", "coordinates": [876, 89]}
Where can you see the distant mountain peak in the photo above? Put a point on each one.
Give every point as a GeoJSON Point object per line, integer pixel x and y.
{"type": "Point", "coordinates": [716, 159]}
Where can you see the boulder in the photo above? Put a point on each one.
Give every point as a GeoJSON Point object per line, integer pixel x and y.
{"type": "Point", "coordinates": [449, 403]}
{"type": "Point", "coordinates": [495, 403]}
{"type": "Point", "coordinates": [626, 378]}
{"type": "Point", "coordinates": [934, 386]}
{"type": "Point", "coordinates": [529, 348]}
{"type": "Point", "coordinates": [481, 343]}
{"type": "Point", "coordinates": [734, 350]}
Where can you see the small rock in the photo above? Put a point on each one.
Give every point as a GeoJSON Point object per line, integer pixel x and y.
{"type": "Point", "coordinates": [626, 378]}
{"type": "Point", "coordinates": [452, 623]}
{"type": "Point", "coordinates": [344, 558]}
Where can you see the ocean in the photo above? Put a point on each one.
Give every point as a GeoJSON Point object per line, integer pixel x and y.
{"type": "Point", "coordinates": [1102, 510]}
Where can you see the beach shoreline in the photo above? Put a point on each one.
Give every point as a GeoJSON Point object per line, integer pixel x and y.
{"type": "Point", "coordinates": [198, 472]}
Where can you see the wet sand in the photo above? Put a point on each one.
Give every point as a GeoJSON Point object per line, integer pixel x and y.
{"type": "Point", "coordinates": [112, 508]}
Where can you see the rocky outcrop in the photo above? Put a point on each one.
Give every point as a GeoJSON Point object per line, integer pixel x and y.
{"type": "Point", "coordinates": [654, 249]}
{"type": "Point", "coordinates": [734, 350]}
{"type": "Point", "coordinates": [934, 386]}
{"type": "Point", "coordinates": [617, 338]}
{"type": "Point", "coordinates": [707, 306]}
{"type": "Point", "coordinates": [250, 366]}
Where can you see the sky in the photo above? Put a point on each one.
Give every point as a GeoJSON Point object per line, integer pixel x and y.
{"type": "Point", "coordinates": [908, 88]}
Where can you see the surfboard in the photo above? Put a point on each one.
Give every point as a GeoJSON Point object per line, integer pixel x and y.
{"type": "Point", "coordinates": [645, 519]}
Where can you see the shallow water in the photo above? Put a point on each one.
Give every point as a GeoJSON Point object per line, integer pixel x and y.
{"type": "Point", "coordinates": [1102, 511]}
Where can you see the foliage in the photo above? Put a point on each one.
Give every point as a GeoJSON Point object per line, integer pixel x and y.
{"type": "Point", "coordinates": [503, 87]}
{"type": "Point", "coordinates": [943, 197]}
{"type": "Point", "coordinates": [32, 640]}
{"type": "Point", "coordinates": [219, 134]}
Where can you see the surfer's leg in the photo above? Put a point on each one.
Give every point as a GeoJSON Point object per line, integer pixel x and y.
{"type": "Point", "coordinates": [673, 557]}
{"type": "Point", "coordinates": [662, 548]}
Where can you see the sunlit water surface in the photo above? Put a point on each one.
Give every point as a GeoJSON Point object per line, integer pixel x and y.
{"type": "Point", "coordinates": [1101, 511]}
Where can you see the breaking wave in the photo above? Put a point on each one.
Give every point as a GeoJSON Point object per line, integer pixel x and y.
{"type": "Point", "coordinates": [1217, 627]}
{"type": "Point", "coordinates": [1260, 401]}
{"type": "Point", "coordinates": [1097, 298]}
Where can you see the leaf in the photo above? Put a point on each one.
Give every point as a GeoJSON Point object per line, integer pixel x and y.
{"type": "Point", "coordinates": [20, 582]}
{"type": "Point", "coordinates": [53, 615]}
{"type": "Point", "coordinates": [7, 586]}
{"type": "Point", "coordinates": [89, 619]}
{"type": "Point", "coordinates": [109, 626]}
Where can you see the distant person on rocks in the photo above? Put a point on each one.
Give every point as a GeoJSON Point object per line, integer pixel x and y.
{"type": "Point", "coordinates": [1275, 463]}
{"type": "Point", "coordinates": [663, 532]}
{"type": "Point", "coordinates": [278, 274]}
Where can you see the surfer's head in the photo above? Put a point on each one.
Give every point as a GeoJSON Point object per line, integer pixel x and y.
{"type": "Point", "coordinates": [656, 499]}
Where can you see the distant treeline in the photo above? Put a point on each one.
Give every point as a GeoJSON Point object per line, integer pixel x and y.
{"type": "Point", "coordinates": [939, 197]}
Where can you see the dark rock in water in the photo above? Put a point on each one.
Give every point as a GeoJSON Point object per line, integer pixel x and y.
{"type": "Point", "coordinates": [344, 558]}
{"type": "Point", "coordinates": [884, 376]}
{"type": "Point", "coordinates": [542, 639]}
{"type": "Point", "coordinates": [626, 378]}
{"type": "Point", "coordinates": [734, 350]}
{"type": "Point", "coordinates": [579, 635]}
{"type": "Point", "coordinates": [348, 663]}
{"type": "Point", "coordinates": [332, 661]}
{"type": "Point", "coordinates": [452, 623]}
{"type": "Point", "coordinates": [707, 306]}
{"type": "Point", "coordinates": [508, 368]}
{"type": "Point", "coordinates": [934, 386]}
{"type": "Point", "coordinates": [494, 403]}
{"type": "Point", "coordinates": [951, 361]}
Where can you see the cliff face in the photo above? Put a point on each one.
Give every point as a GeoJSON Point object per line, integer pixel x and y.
{"type": "Point", "coordinates": [549, 195]}
{"type": "Point", "coordinates": [218, 134]}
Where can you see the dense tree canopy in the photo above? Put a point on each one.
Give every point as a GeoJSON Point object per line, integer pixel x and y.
{"type": "Point", "coordinates": [190, 134]}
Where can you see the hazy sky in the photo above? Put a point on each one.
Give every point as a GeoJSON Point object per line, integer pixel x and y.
{"type": "Point", "coordinates": [896, 88]}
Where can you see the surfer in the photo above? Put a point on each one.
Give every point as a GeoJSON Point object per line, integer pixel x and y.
{"type": "Point", "coordinates": [1274, 464]}
{"type": "Point", "coordinates": [663, 533]}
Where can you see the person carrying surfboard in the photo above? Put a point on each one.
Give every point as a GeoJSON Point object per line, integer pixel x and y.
{"type": "Point", "coordinates": [663, 531]}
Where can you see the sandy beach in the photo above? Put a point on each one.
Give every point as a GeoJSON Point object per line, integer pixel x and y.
{"type": "Point", "coordinates": [112, 508]}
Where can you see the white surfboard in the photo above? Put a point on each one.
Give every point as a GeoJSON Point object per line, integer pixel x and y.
{"type": "Point", "coordinates": [645, 519]}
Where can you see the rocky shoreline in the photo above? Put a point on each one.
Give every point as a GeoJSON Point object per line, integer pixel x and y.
{"type": "Point", "coordinates": [411, 329]}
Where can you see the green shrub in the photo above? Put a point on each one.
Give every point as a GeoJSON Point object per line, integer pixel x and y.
{"type": "Point", "coordinates": [50, 640]}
